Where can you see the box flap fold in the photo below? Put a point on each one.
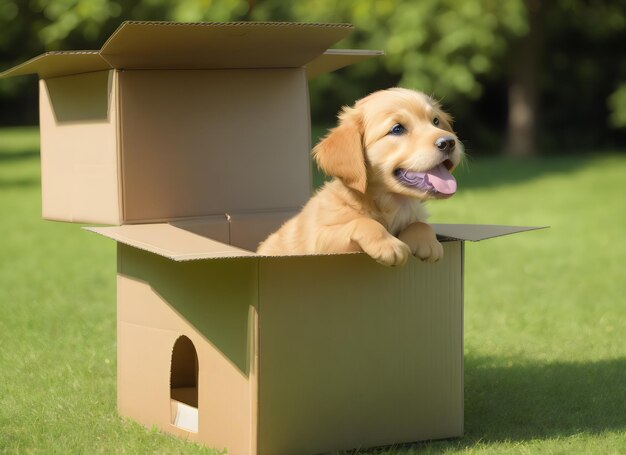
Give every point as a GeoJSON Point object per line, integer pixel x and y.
{"type": "Point", "coordinates": [205, 45]}
{"type": "Point", "coordinates": [53, 64]}
{"type": "Point", "coordinates": [478, 232]}
{"type": "Point", "coordinates": [196, 239]}
{"type": "Point", "coordinates": [175, 241]}
{"type": "Point", "coordinates": [334, 59]}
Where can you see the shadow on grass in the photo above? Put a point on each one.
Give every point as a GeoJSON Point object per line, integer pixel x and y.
{"type": "Point", "coordinates": [20, 155]}
{"type": "Point", "coordinates": [508, 401]}
{"type": "Point", "coordinates": [19, 183]}
{"type": "Point", "coordinates": [536, 400]}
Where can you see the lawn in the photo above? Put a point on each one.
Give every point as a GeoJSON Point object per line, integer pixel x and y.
{"type": "Point", "coordinates": [545, 317]}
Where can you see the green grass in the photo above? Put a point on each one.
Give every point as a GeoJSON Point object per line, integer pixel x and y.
{"type": "Point", "coordinates": [545, 318]}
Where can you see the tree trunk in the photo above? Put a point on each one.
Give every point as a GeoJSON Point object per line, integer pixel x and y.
{"type": "Point", "coordinates": [523, 96]}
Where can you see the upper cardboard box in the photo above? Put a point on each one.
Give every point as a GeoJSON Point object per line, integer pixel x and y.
{"type": "Point", "coordinates": [174, 121]}
{"type": "Point", "coordinates": [207, 45]}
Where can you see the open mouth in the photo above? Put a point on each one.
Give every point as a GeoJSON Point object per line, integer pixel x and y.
{"type": "Point", "coordinates": [437, 181]}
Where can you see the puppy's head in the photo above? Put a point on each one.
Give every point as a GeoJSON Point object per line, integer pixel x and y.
{"type": "Point", "coordinates": [396, 141]}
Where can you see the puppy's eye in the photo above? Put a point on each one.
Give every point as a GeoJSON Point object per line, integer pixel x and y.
{"type": "Point", "coordinates": [436, 121]}
{"type": "Point", "coordinates": [397, 130]}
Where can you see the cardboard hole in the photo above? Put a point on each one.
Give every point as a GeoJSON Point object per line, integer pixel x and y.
{"type": "Point", "coordinates": [184, 385]}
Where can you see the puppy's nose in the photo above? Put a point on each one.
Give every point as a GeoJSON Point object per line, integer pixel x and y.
{"type": "Point", "coordinates": [445, 144]}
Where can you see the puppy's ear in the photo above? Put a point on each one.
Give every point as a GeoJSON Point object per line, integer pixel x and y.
{"type": "Point", "coordinates": [340, 154]}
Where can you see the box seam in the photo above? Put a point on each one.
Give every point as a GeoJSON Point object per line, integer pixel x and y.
{"type": "Point", "coordinates": [121, 209]}
{"type": "Point", "coordinates": [255, 426]}
{"type": "Point", "coordinates": [462, 338]}
{"type": "Point", "coordinates": [308, 111]}
{"type": "Point", "coordinates": [74, 74]}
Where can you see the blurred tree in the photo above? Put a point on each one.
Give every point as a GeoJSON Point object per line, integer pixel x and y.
{"type": "Point", "coordinates": [441, 47]}
{"type": "Point", "coordinates": [523, 86]}
{"type": "Point", "coordinates": [582, 67]}
{"type": "Point", "coordinates": [553, 74]}
{"type": "Point", "coordinates": [617, 106]}
{"type": "Point", "coordinates": [455, 50]}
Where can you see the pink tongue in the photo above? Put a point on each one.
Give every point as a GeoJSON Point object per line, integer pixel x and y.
{"type": "Point", "coordinates": [442, 180]}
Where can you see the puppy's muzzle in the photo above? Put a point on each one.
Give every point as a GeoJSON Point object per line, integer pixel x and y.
{"type": "Point", "coordinates": [445, 144]}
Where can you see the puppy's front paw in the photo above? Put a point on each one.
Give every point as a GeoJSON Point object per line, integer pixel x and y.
{"type": "Point", "coordinates": [429, 250]}
{"type": "Point", "coordinates": [422, 242]}
{"type": "Point", "coordinates": [389, 251]}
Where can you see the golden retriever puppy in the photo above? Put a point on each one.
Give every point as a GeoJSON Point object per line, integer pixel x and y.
{"type": "Point", "coordinates": [391, 152]}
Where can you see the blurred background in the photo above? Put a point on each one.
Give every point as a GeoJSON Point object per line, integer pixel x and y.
{"type": "Point", "coordinates": [538, 91]}
{"type": "Point", "coordinates": [521, 77]}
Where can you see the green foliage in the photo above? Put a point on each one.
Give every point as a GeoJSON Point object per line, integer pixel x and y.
{"type": "Point", "coordinates": [617, 105]}
{"type": "Point", "coordinates": [208, 10]}
{"type": "Point", "coordinates": [66, 16]}
{"type": "Point", "coordinates": [435, 46]}
{"type": "Point", "coordinates": [459, 51]}
{"type": "Point", "coordinates": [445, 48]}
{"type": "Point", "coordinates": [586, 65]}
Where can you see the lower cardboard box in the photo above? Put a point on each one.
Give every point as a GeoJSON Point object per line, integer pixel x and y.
{"type": "Point", "coordinates": [288, 355]}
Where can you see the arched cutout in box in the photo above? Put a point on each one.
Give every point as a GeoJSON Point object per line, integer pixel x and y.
{"type": "Point", "coordinates": [184, 385]}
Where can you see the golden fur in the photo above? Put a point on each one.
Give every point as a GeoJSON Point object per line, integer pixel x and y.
{"type": "Point", "coordinates": [364, 208]}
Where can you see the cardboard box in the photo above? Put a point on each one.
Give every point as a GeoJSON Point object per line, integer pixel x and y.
{"type": "Point", "coordinates": [173, 121]}
{"type": "Point", "coordinates": [193, 141]}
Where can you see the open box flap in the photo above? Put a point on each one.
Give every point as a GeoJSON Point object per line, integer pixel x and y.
{"type": "Point", "coordinates": [334, 59]}
{"type": "Point", "coordinates": [183, 241]}
{"type": "Point", "coordinates": [207, 45]}
{"type": "Point", "coordinates": [204, 45]}
{"type": "Point", "coordinates": [208, 237]}
{"type": "Point", "coordinates": [59, 63]}
{"type": "Point", "coordinates": [477, 232]}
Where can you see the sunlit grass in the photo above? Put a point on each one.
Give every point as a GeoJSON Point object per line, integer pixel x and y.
{"type": "Point", "coordinates": [545, 317]}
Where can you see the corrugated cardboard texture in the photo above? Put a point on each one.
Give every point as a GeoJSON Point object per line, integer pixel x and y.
{"type": "Point", "coordinates": [205, 142]}
{"type": "Point", "coordinates": [205, 45]}
{"type": "Point", "coordinates": [295, 350]}
{"type": "Point", "coordinates": [238, 235]}
{"type": "Point", "coordinates": [161, 45]}
{"type": "Point", "coordinates": [214, 305]}
{"type": "Point", "coordinates": [333, 59]}
{"type": "Point", "coordinates": [79, 168]}
{"type": "Point", "coordinates": [197, 129]}
{"type": "Point", "coordinates": [354, 355]}
{"type": "Point", "coordinates": [62, 63]}
{"type": "Point", "coordinates": [59, 63]}
{"type": "Point", "coordinates": [179, 242]}
{"type": "Point", "coordinates": [477, 232]}
{"type": "Point", "coordinates": [205, 238]}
